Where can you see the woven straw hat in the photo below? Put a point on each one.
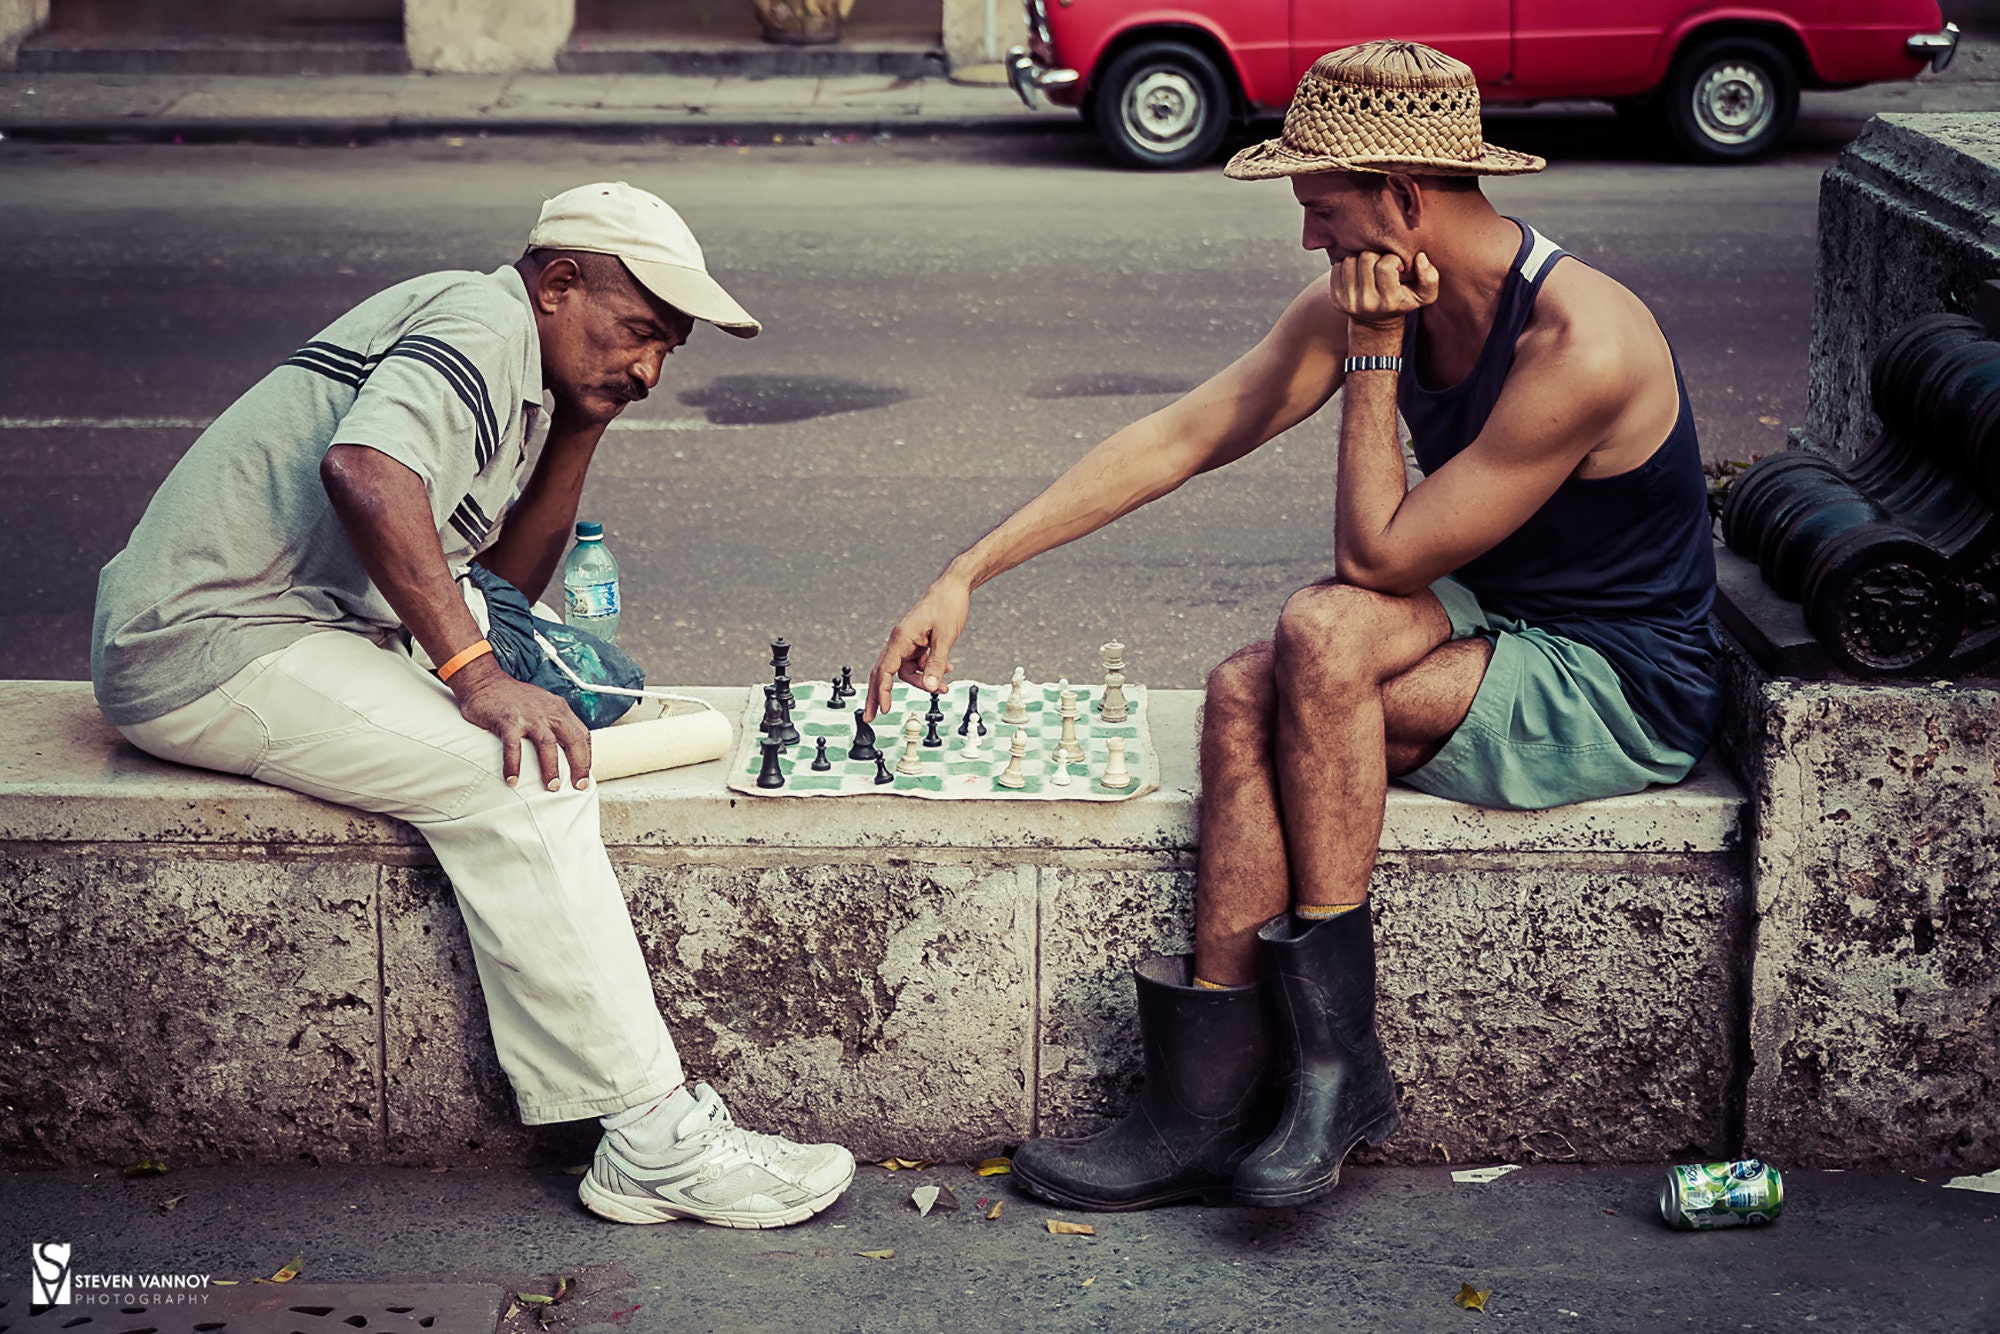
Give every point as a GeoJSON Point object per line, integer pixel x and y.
{"type": "Point", "coordinates": [1383, 106]}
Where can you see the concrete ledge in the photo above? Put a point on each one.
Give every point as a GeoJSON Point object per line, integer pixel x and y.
{"type": "Point", "coordinates": [204, 966]}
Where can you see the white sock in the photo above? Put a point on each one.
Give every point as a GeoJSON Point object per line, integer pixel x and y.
{"type": "Point", "coordinates": [651, 1124]}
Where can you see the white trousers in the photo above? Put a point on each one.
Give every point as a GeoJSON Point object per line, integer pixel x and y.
{"type": "Point", "coordinates": [567, 991]}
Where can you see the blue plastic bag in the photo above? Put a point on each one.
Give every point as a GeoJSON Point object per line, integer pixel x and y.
{"type": "Point", "coordinates": [513, 629]}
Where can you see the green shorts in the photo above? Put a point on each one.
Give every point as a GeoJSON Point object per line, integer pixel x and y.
{"type": "Point", "coordinates": [1549, 726]}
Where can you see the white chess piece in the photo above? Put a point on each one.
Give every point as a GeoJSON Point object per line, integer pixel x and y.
{"type": "Point", "coordinates": [972, 750]}
{"type": "Point", "coordinates": [1068, 748]}
{"type": "Point", "coordinates": [1114, 708]}
{"type": "Point", "coordinates": [1116, 776]}
{"type": "Point", "coordinates": [913, 741]}
{"type": "Point", "coordinates": [1012, 776]}
{"type": "Point", "coordinates": [1016, 711]}
{"type": "Point", "coordinates": [1059, 771]}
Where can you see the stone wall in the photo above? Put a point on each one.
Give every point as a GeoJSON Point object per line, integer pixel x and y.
{"type": "Point", "coordinates": [1909, 224]}
{"type": "Point", "coordinates": [978, 32]}
{"type": "Point", "coordinates": [203, 967]}
{"type": "Point", "coordinates": [486, 36]}
{"type": "Point", "coordinates": [1875, 995]}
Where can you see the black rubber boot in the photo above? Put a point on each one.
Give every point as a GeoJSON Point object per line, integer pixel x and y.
{"type": "Point", "coordinates": [1208, 1099]}
{"type": "Point", "coordinates": [1338, 1090]}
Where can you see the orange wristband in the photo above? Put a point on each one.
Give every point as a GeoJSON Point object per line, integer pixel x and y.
{"type": "Point", "coordinates": [446, 672]}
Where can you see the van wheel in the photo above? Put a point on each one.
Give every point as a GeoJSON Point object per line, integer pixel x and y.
{"type": "Point", "coordinates": [1161, 105]}
{"type": "Point", "coordinates": [1730, 99]}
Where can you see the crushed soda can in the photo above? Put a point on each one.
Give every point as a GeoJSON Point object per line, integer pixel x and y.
{"type": "Point", "coordinates": [1700, 1197]}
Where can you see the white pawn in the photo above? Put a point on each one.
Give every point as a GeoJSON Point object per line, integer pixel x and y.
{"type": "Point", "coordinates": [1059, 772]}
{"type": "Point", "coordinates": [972, 749]}
{"type": "Point", "coordinates": [1012, 776]}
{"type": "Point", "coordinates": [1016, 711]}
{"type": "Point", "coordinates": [913, 741]}
{"type": "Point", "coordinates": [1116, 776]}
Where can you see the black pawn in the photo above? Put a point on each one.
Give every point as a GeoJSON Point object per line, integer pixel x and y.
{"type": "Point", "coordinates": [847, 683]}
{"type": "Point", "coordinates": [864, 739]}
{"type": "Point", "coordinates": [772, 774]}
{"type": "Point", "coordinates": [935, 713]}
{"type": "Point", "coordinates": [931, 737]}
{"type": "Point", "coordinates": [971, 707]}
{"type": "Point", "coordinates": [820, 762]}
{"type": "Point", "coordinates": [882, 774]}
{"type": "Point", "coordinates": [835, 696]}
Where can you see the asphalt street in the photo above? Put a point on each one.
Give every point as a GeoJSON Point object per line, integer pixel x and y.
{"type": "Point", "coordinates": [949, 324]}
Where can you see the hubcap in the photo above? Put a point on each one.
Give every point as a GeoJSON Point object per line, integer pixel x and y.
{"type": "Point", "coordinates": [1733, 102]}
{"type": "Point", "coordinates": [1163, 109]}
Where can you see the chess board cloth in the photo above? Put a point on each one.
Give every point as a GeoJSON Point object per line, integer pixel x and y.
{"type": "Point", "coordinates": [948, 775]}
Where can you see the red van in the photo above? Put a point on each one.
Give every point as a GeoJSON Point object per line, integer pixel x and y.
{"type": "Point", "coordinates": [1160, 80]}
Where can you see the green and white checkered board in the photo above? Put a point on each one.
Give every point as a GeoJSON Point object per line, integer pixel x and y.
{"type": "Point", "coordinates": [947, 774]}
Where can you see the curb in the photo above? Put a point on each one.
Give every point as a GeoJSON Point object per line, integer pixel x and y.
{"type": "Point", "coordinates": [375, 129]}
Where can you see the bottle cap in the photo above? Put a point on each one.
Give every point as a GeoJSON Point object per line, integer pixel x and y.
{"type": "Point", "coordinates": [589, 532]}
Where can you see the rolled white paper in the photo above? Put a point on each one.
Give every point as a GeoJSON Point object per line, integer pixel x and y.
{"type": "Point", "coordinates": [650, 744]}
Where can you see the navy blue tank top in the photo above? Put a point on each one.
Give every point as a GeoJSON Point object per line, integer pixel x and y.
{"type": "Point", "coordinates": [1625, 564]}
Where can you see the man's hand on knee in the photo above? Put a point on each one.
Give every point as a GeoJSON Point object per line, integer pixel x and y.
{"type": "Point", "coordinates": [519, 714]}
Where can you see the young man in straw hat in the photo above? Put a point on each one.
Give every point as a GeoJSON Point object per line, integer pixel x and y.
{"type": "Point", "coordinates": [257, 620]}
{"type": "Point", "coordinates": [1525, 627]}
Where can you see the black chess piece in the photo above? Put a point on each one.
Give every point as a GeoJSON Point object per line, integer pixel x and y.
{"type": "Point", "coordinates": [835, 695]}
{"type": "Point", "coordinates": [864, 739]}
{"type": "Point", "coordinates": [787, 733]}
{"type": "Point", "coordinates": [847, 683]}
{"type": "Point", "coordinates": [820, 762]}
{"type": "Point", "coordinates": [931, 737]}
{"type": "Point", "coordinates": [882, 774]}
{"type": "Point", "coordinates": [935, 713]}
{"type": "Point", "coordinates": [971, 707]}
{"type": "Point", "coordinates": [781, 657]}
{"type": "Point", "coordinates": [774, 716]}
{"type": "Point", "coordinates": [772, 774]}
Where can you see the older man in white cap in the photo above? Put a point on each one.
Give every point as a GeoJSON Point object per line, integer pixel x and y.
{"type": "Point", "coordinates": [1525, 627]}
{"type": "Point", "coordinates": [278, 610]}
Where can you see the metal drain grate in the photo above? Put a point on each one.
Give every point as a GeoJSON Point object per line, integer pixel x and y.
{"type": "Point", "coordinates": [295, 1308]}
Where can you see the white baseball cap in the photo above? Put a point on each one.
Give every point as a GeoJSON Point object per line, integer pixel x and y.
{"type": "Point", "coordinates": [613, 218]}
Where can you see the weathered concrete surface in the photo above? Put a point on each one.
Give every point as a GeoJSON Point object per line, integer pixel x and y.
{"type": "Point", "coordinates": [978, 32]}
{"type": "Point", "coordinates": [486, 36]}
{"type": "Point", "coordinates": [928, 978]}
{"type": "Point", "coordinates": [1875, 999]}
{"type": "Point", "coordinates": [1598, 1022]}
{"type": "Point", "coordinates": [200, 1008]}
{"type": "Point", "coordinates": [1909, 224]}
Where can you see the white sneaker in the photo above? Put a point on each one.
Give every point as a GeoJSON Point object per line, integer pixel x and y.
{"type": "Point", "coordinates": [715, 1171]}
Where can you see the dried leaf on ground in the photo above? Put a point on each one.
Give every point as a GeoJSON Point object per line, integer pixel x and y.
{"type": "Point", "coordinates": [1471, 1298]}
{"type": "Point", "coordinates": [513, 1309]}
{"type": "Point", "coordinates": [1092, 1279]}
{"type": "Point", "coordinates": [1989, 1182]}
{"type": "Point", "coordinates": [993, 1167]}
{"type": "Point", "coordinates": [172, 1204]}
{"type": "Point", "coordinates": [1065, 1229]}
{"type": "Point", "coordinates": [905, 1164]}
{"type": "Point", "coordinates": [877, 1255]}
{"type": "Point", "coordinates": [533, 1299]}
{"type": "Point", "coordinates": [287, 1274]}
{"type": "Point", "coordinates": [146, 1167]}
{"type": "Point", "coordinates": [994, 1213]}
{"type": "Point", "coordinates": [562, 1287]}
{"type": "Point", "coordinates": [439, 1171]}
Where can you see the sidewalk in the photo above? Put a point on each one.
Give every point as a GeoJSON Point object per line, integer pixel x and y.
{"type": "Point", "coordinates": [1557, 1248]}
{"type": "Point", "coordinates": [336, 108]}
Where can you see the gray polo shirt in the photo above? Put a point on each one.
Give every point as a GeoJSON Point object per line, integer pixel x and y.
{"type": "Point", "coordinates": [240, 552]}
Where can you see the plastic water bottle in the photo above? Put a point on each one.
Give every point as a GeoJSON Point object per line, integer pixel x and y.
{"type": "Point", "coordinates": [590, 584]}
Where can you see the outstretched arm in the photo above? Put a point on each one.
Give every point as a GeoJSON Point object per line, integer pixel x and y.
{"type": "Point", "coordinates": [1277, 384]}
